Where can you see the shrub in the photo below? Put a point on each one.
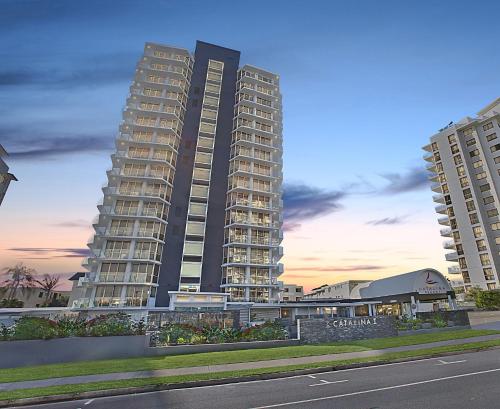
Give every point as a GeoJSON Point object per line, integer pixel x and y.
{"type": "Point", "coordinates": [34, 328]}
{"type": "Point", "coordinates": [188, 334]}
{"type": "Point", "coordinates": [14, 303]}
{"type": "Point", "coordinates": [265, 332]}
{"type": "Point", "coordinates": [439, 322]}
{"type": "Point", "coordinates": [110, 325]}
{"type": "Point", "coordinates": [71, 327]}
{"type": "Point", "coordinates": [177, 333]}
{"type": "Point", "coordinates": [488, 300]}
{"type": "Point", "coordinates": [6, 332]}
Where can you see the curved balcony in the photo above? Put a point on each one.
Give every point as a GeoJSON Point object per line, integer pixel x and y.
{"type": "Point", "coordinates": [449, 245]}
{"type": "Point", "coordinates": [429, 157]}
{"type": "Point", "coordinates": [436, 187]}
{"type": "Point", "coordinates": [441, 209]}
{"type": "Point", "coordinates": [445, 232]}
{"type": "Point", "coordinates": [444, 221]}
{"type": "Point", "coordinates": [438, 198]}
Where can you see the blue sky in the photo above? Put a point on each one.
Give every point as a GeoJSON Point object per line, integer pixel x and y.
{"type": "Point", "coordinates": [364, 83]}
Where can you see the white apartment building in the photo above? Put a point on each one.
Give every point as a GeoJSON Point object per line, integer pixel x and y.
{"type": "Point", "coordinates": [464, 162]}
{"type": "Point", "coordinates": [292, 293]}
{"type": "Point", "coordinates": [192, 210]}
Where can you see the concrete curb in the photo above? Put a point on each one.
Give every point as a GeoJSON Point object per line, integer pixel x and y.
{"type": "Point", "coordinates": [222, 381]}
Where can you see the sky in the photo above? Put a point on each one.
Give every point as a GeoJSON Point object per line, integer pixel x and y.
{"type": "Point", "coordinates": [364, 83]}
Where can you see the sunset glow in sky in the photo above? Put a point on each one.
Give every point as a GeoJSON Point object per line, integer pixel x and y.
{"type": "Point", "coordinates": [365, 84]}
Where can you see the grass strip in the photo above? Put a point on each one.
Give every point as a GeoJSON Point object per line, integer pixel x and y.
{"type": "Point", "coordinates": [225, 357]}
{"type": "Point", "coordinates": [169, 380]}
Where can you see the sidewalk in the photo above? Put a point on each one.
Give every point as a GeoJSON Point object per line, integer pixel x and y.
{"type": "Point", "coordinates": [232, 367]}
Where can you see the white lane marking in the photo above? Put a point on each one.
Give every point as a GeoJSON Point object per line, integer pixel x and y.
{"type": "Point", "coordinates": [89, 402]}
{"type": "Point", "coordinates": [311, 376]}
{"type": "Point", "coordinates": [290, 377]}
{"type": "Point", "coordinates": [323, 382]}
{"type": "Point", "coordinates": [377, 389]}
{"type": "Point", "coordinates": [441, 362]}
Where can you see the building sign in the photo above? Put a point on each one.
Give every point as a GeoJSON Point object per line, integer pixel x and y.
{"type": "Point", "coordinates": [318, 330]}
{"type": "Point", "coordinates": [352, 322]}
{"type": "Point", "coordinates": [433, 284]}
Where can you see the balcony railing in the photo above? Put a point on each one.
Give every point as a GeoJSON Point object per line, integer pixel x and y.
{"type": "Point", "coordinates": [445, 232]}
{"type": "Point", "coordinates": [451, 256]}
{"type": "Point", "coordinates": [445, 221]}
{"type": "Point", "coordinates": [449, 244]}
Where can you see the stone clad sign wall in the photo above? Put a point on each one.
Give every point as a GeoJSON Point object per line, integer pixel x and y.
{"type": "Point", "coordinates": [319, 330]}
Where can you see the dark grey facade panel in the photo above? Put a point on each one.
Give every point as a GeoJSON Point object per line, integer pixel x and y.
{"type": "Point", "coordinates": [214, 235]}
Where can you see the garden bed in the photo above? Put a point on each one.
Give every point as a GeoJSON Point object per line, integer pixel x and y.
{"type": "Point", "coordinates": [187, 334]}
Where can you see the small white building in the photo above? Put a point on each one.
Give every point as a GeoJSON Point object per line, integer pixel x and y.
{"type": "Point", "coordinates": [292, 292]}
{"type": "Point", "coordinates": [403, 294]}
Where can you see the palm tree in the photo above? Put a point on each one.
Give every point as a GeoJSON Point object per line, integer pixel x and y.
{"type": "Point", "coordinates": [48, 283]}
{"type": "Point", "coordinates": [19, 276]}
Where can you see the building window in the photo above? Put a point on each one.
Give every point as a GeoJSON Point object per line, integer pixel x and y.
{"type": "Point", "coordinates": [478, 231]}
{"type": "Point", "coordinates": [481, 245]}
{"type": "Point", "coordinates": [497, 159]}
{"type": "Point", "coordinates": [453, 224]}
{"type": "Point", "coordinates": [490, 137]}
{"type": "Point", "coordinates": [473, 218]}
{"type": "Point", "coordinates": [461, 170]}
{"type": "Point", "coordinates": [190, 269]}
{"type": "Point", "coordinates": [460, 249]}
{"type": "Point", "coordinates": [495, 226]}
{"type": "Point", "coordinates": [481, 175]}
{"type": "Point", "coordinates": [457, 159]}
{"type": "Point", "coordinates": [454, 149]}
{"type": "Point", "coordinates": [468, 132]}
{"type": "Point", "coordinates": [474, 153]}
{"type": "Point", "coordinates": [485, 259]}
{"type": "Point", "coordinates": [467, 194]}
{"type": "Point", "coordinates": [462, 262]}
{"type": "Point", "coordinates": [477, 164]}
{"type": "Point", "coordinates": [464, 182]}
{"type": "Point", "coordinates": [492, 212]}
{"type": "Point", "coordinates": [488, 274]}
{"type": "Point", "coordinates": [494, 148]}
{"type": "Point", "coordinates": [491, 286]}
{"type": "Point", "coordinates": [488, 126]}
{"type": "Point", "coordinates": [488, 200]}
{"type": "Point", "coordinates": [470, 142]}
{"type": "Point", "coordinates": [485, 187]}
{"type": "Point", "coordinates": [452, 139]}
{"type": "Point", "coordinates": [470, 205]}
{"type": "Point", "coordinates": [466, 277]}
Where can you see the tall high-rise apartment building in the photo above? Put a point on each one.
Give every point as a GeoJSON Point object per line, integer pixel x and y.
{"type": "Point", "coordinates": [193, 200]}
{"type": "Point", "coordinates": [464, 161]}
{"type": "Point", "coordinates": [5, 176]}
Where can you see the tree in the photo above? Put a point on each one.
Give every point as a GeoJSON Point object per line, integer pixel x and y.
{"type": "Point", "coordinates": [48, 283]}
{"type": "Point", "coordinates": [19, 277]}
{"type": "Point", "coordinates": [14, 303]}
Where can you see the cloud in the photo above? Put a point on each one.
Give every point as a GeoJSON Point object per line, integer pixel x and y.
{"type": "Point", "coordinates": [415, 178]}
{"type": "Point", "coordinates": [87, 71]}
{"type": "Point", "coordinates": [28, 144]}
{"type": "Point", "coordinates": [51, 252]}
{"type": "Point", "coordinates": [73, 223]}
{"type": "Point", "coordinates": [300, 276]}
{"type": "Point", "coordinates": [333, 269]}
{"type": "Point", "coordinates": [302, 202]}
{"type": "Point", "coordinates": [387, 221]}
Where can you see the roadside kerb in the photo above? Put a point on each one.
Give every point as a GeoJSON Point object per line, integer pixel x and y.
{"type": "Point", "coordinates": [222, 381]}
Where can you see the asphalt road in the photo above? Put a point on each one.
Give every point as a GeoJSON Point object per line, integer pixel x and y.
{"type": "Point", "coordinates": [466, 381]}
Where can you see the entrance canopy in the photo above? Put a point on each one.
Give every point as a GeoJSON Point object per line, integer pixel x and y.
{"type": "Point", "coordinates": [423, 282]}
